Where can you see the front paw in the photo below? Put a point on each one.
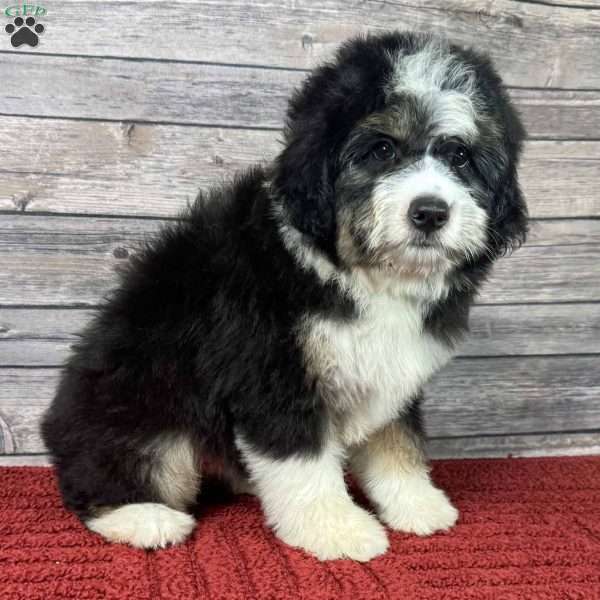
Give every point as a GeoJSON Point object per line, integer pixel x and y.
{"type": "Point", "coordinates": [420, 508]}
{"type": "Point", "coordinates": [330, 532]}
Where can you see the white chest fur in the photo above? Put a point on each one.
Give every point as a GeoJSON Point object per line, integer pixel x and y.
{"type": "Point", "coordinates": [370, 369]}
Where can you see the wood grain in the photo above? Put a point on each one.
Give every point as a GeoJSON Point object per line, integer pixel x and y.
{"type": "Point", "coordinates": [533, 329]}
{"type": "Point", "coordinates": [64, 86]}
{"type": "Point", "coordinates": [24, 395]}
{"type": "Point", "coordinates": [551, 444]}
{"type": "Point", "coordinates": [547, 444]}
{"type": "Point", "coordinates": [563, 232]}
{"type": "Point", "coordinates": [514, 395]}
{"type": "Point", "coordinates": [472, 396]}
{"type": "Point", "coordinates": [546, 274]}
{"type": "Point", "coordinates": [42, 337]}
{"type": "Point", "coordinates": [25, 460]}
{"type": "Point", "coordinates": [97, 121]}
{"type": "Point", "coordinates": [152, 170]}
{"type": "Point", "coordinates": [71, 261]}
{"type": "Point", "coordinates": [577, 4]}
{"type": "Point", "coordinates": [217, 95]}
{"type": "Point", "coordinates": [109, 168]}
{"type": "Point", "coordinates": [558, 178]}
{"type": "Point", "coordinates": [533, 44]}
{"type": "Point", "coordinates": [559, 113]}
{"type": "Point", "coordinates": [39, 337]}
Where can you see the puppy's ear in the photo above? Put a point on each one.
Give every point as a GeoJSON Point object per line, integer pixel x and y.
{"type": "Point", "coordinates": [320, 115]}
{"type": "Point", "coordinates": [509, 218]}
{"type": "Point", "coordinates": [305, 179]}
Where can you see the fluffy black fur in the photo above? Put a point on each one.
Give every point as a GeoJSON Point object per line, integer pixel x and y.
{"type": "Point", "coordinates": [199, 337]}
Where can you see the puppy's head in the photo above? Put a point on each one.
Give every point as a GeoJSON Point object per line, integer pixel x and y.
{"type": "Point", "coordinates": [401, 156]}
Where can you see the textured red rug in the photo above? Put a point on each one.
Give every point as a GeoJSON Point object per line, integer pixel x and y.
{"type": "Point", "coordinates": [529, 529]}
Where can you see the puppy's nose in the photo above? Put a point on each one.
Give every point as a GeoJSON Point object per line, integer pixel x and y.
{"type": "Point", "coordinates": [428, 213]}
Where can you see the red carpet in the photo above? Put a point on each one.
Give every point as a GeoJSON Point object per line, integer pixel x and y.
{"type": "Point", "coordinates": [529, 529]}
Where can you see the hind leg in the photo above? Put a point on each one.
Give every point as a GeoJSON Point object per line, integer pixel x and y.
{"type": "Point", "coordinates": [166, 474]}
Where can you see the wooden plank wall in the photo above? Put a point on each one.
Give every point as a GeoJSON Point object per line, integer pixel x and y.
{"type": "Point", "coordinates": [126, 109]}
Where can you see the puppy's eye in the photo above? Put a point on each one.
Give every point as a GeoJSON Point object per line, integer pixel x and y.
{"type": "Point", "coordinates": [456, 152]}
{"type": "Point", "coordinates": [383, 151]}
{"type": "Point", "coordinates": [461, 156]}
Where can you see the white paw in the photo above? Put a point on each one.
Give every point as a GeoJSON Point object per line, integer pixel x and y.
{"type": "Point", "coordinates": [420, 508]}
{"type": "Point", "coordinates": [143, 525]}
{"type": "Point", "coordinates": [335, 531]}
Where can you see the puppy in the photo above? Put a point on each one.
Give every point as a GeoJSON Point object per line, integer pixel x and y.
{"type": "Point", "coordinates": [282, 329]}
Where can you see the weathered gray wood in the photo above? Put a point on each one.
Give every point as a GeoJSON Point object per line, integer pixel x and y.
{"type": "Point", "coordinates": [25, 460]}
{"type": "Point", "coordinates": [559, 113]}
{"type": "Point", "coordinates": [563, 232]}
{"type": "Point", "coordinates": [145, 91]}
{"type": "Point", "coordinates": [548, 444]}
{"type": "Point", "coordinates": [558, 178]}
{"type": "Point", "coordinates": [69, 260]}
{"type": "Point", "coordinates": [99, 167]}
{"type": "Point", "coordinates": [533, 329]}
{"type": "Point", "coordinates": [515, 395]}
{"type": "Point", "coordinates": [553, 444]}
{"type": "Point", "coordinates": [578, 4]}
{"type": "Point", "coordinates": [24, 395]}
{"type": "Point", "coordinates": [298, 34]}
{"type": "Point", "coordinates": [219, 95]}
{"type": "Point", "coordinates": [39, 337]}
{"type": "Point", "coordinates": [546, 274]}
{"type": "Point", "coordinates": [109, 168]}
{"type": "Point", "coordinates": [42, 337]}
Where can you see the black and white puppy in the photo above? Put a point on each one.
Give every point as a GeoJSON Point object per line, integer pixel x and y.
{"type": "Point", "coordinates": [282, 329]}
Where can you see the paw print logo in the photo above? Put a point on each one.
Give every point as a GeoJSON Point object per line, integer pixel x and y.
{"type": "Point", "coordinates": [24, 32]}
